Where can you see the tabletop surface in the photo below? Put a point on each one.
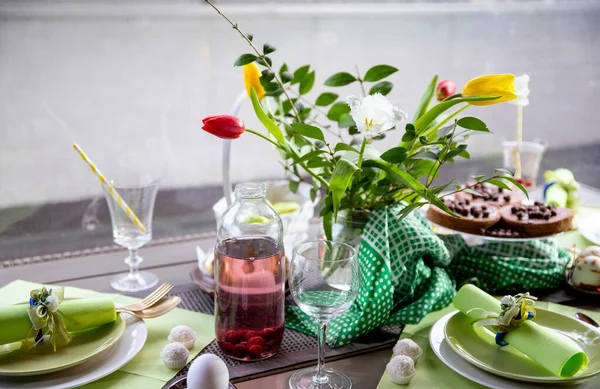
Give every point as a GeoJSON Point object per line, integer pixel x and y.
{"type": "Point", "coordinates": [173, 263]}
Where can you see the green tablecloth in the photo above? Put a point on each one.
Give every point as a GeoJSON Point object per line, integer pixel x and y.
{"type": "Point", "coordinates": [146, 370]}
{"type": "Point", "coordinates": [433, 373]}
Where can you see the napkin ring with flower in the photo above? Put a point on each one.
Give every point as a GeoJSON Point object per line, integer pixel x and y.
{"type": "Point", "coordinates": [515, 310]}
{"type": "Point", "coordinates": [46, 319]}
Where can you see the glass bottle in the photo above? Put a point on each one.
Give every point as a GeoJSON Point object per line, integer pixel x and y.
{"type": "Point", "coordinates": [249, 276]}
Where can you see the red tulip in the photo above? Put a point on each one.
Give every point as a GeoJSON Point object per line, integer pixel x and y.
{"type": "Point", "coordinates": [445, 88]}
{"type": "Point", "coordinates": [224, 126]}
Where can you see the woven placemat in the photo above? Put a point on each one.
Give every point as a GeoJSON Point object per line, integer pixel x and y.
{"type": "Point", "coordinates": [297, 349]}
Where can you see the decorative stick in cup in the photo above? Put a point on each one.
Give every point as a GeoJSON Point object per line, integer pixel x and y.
{"type": "Point", "coordinates": [517, 150]}
{"type": "Point", "coordinates": [113, 193]}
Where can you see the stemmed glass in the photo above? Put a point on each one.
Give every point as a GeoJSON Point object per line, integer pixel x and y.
{"type": "Point", "coordinates": [324, 281]}
{"type": "Point", "coordinates": [139, 192]}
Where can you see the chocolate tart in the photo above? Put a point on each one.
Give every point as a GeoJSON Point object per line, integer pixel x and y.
{"type": "Point", "coordinates": [537, 220]}
{"type": "Point", "coordinates": [490, 194]}
{"type": "Point", "coordinates": [474, 218]}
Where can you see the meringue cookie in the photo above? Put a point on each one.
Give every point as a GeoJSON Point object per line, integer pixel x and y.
{"type": "Point", "coordinates": [401, 369]}
{"type": "Point", "coordinates": [174, 355]}
{"type": "Point", "coordinates": [409, 348]}
{"type": "Point", "coordinates": [184, 335]}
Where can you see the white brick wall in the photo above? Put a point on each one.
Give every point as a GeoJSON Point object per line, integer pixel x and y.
{"type": "Point", "coordinates": [132, 82]}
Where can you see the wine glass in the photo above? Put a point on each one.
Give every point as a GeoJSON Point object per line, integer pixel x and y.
{"type": "Point", "coordinates": [139, 192]}
{"type": "Point", "coordinates": [324, 280]}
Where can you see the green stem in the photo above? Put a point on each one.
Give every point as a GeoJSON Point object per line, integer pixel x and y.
{"type": "Point", "coordinates": [265, 138]}
{"type": "Point", "coordinates": [361, 81]}
{"type": "Point", "coordinates": [317, 109]}
{"type": "Point", "coordinates": [435, 129]}
{"type": "Point", "coordinates": [295, 157]}
{"type": "Point", "coordinates": [362, 152]}
{"type": "Point", "coordinates": [259, 54]}
{"type": "Point", "coordinates": [469, 186]}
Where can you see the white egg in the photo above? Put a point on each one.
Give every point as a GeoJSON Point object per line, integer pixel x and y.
{"type": "Point", "coordinates": [208, 372]}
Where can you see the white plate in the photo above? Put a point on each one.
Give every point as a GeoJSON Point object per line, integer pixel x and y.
{"type": "Point", "coordinates": [469, 371]}
{"type": "Point", "coordinates": [100, 366]}
{"type": "Point", "coordinates": [590, 229]}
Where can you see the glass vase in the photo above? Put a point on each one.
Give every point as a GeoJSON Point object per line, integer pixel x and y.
{"type": "Point", "coordinates": [349, 226]}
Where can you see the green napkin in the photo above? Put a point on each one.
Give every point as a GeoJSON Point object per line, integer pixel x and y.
{"type": "Point", "coordinates": [80, 315]}
{"type": "Point", "coordinates": [556, 353]}
{"type": "Point", "coordinates": [556, 194]}
{"type": "Point", "coordinates": [408, 271]}
{"type": "Point", "coordinates": [146, 370]}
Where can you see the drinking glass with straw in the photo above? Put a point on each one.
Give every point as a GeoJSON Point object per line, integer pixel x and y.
{"type": "Point", "coordinates": [131, 205]}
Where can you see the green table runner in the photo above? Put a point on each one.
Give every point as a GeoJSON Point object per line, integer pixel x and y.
{"type": "Point", "coordinates": [146, 370]}
{"type": "Point", "coordinates": [408, 271]}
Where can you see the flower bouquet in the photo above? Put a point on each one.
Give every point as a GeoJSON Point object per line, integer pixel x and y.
{"type": "Point", "coordinates": [331, 142]}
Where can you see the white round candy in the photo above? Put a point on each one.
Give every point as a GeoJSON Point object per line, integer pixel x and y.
{"type": "Point", "coordinates": [208, 372]}
{"type": "Point", "coordinates": [409, 348]}
{"type": "Point", "coordinates": [184, 335]}
{"type": "Point", "coordinates": [174, 355]}
{"type": "Point", "coordinates": [401, 369]}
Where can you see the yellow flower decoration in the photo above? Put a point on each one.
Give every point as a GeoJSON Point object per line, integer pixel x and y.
{"type": "Point", "coordinates": [252, 80]}
{"type": "Point", "coordinates": [502, 85]}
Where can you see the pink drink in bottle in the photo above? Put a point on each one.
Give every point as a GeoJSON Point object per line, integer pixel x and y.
{"type": "Point", "coordinates": [249, 277]}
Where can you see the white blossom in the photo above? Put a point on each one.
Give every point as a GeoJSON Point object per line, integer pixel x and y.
{"type": "Point", "coordinates": [507, 300]}
{"type": "Point", "coordinates": [52, 303]}
{"type": "Point", "coordinates": [521, 85]}
{"type": "Point", "coordinates": [374, 114]}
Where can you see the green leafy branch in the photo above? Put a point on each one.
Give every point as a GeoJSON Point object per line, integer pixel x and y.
{"type": "Point", "coordinates": [260, 57]}
{"type": "Point", "coordinates": [360, 177]}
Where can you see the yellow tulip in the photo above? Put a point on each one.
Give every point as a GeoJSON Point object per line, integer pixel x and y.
{"type": "Point", "coordinates": [252, 80]}
{"type": "Point", "coordinates": [502, 85]}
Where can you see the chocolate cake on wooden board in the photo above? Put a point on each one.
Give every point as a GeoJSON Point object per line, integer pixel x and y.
{"type": "Point", "coordinates": [537, 220]}
{"type": "Point", "coordinates": [474, 218]}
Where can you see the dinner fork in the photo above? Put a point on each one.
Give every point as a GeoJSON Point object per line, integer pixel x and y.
{"type": "Point", "coordinates": [151, 299]}
{"type": "Point", "coordinates": [165, 305]}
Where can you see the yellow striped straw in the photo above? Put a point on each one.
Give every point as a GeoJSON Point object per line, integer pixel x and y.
{"type": "Point", "coordinates": [112, 191]}
{"type": "Point", "coordinates": [517, 150]}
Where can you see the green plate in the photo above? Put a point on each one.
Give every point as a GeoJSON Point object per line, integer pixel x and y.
{"type": "Point", "coordinates": [476, 345]}
{"type": "Point", "coordinates": [42, 359]}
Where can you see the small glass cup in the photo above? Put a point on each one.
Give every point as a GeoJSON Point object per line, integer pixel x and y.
{"type": "Point", "coordinates": [532, 153]}
{"type": "Point", "coordinates": [139, 192]}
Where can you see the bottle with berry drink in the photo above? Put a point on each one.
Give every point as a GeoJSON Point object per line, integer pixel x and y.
{"type": "Point", "coordinates": [249, 277]}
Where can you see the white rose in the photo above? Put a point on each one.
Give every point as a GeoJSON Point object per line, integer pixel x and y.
{"type": "Point", "coordinates": [52, 303]}
{"type": "Point", "coordinates": [374, 114]}
{"type": "Point", "coordinates": [508, 301]}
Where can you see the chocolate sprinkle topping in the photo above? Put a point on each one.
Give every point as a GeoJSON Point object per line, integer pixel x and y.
{"type": "Point", "coordinates": [468, 209]}
{"type": "Point", "coordinates": [536, 211]}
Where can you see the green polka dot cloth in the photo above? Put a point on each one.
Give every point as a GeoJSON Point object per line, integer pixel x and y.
{"type": "Point", "coordinates": [408, 271]}
{"type": "Point", "coordinates": [508, 265]}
